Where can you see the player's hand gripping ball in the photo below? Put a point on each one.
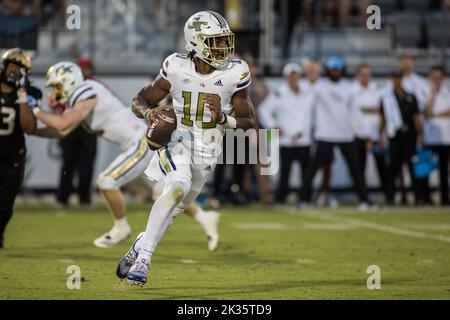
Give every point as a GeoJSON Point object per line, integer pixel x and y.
{"type": "Point", "coordinates": [162, 123]}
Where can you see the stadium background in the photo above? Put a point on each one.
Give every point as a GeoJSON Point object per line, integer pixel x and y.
{"type": "Point", "coordinates": [128, 39]}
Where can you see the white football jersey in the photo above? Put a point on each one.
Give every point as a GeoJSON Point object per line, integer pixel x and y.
{"type": "Point", "coordinates": [110, 119]}
{"type": "Point", "coordinates": [188, 89]}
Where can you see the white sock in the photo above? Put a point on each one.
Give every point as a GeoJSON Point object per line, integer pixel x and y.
{"type": "Point", "coordinates": [121, 223]}
{"type": "Point", "coordinates": [201, 215]}
{"type": "Point", "coordinates": [159, 220]}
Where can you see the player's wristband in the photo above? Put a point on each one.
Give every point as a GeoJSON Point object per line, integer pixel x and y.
{"type": "Point", "coordinates": [36, 110]}
{"type": "Point", "coordinates": [224, 119]}
{"type": "Point", "coordinates": [229, 122]}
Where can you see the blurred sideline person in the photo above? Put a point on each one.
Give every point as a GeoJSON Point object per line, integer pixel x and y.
{"type": "Point", "coordinates": [333, 120]}
{"type": "Point", "coordinates": [437, 126]}
{"type": "Point", "coordinates": [17, 96]}
{"type": "Point", "coordinates": [400, 119]}
{"type": "Point", "coordinates": [78, 154]}
{"type": "Point", "coordinates": [411, 81]}
{"type": "Point", "coordinates": [258, 92]}
{"type": "Point", "coordinates": [313, 70]}
{"type": "Point", "coordinates": [90, 103]}
{"type": "Point", "coordinates": [290, 111]}
{"type": "Point", "coordinates": [366, 98]}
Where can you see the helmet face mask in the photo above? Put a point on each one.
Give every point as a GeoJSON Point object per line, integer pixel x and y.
{"type": "Point", "coordinates": [214, 53]}
{"type": "Point", "coordinates": [16, 66]}
{"type": "Point", "coordinates": [209, 38]}
{"type": "Point", "coordinates": [62, 80]}
{"type": "Point", "coordinates": [56, 92]}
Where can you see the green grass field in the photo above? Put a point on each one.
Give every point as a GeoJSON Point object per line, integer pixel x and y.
{"type": "Point", "coordinates": [263, 254]}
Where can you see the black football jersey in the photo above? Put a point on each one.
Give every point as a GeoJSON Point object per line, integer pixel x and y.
{"type": "Point", "coordinates": [12, 140]}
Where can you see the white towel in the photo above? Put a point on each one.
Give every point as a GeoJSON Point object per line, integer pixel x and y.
{"type": "Point", "coordinates": [391, 114]}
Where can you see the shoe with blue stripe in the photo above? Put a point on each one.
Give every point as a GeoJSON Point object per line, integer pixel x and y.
{"type": "Point", "coordinates": [138, 273]}
{"type": "Point", "coordinates": [127, 261]}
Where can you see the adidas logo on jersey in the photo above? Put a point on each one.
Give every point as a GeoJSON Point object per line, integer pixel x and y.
{"type": "Point", "coordinates": [218, 83]}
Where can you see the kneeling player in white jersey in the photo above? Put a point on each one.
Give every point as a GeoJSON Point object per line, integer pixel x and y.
{"type": "Point", "coordinates": [209, 93]}
{"type": "Point", "coordinates": [93, 105]}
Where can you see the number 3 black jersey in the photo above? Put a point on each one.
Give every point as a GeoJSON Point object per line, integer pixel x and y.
{"type": "Point", "coordinates": [12, 140]}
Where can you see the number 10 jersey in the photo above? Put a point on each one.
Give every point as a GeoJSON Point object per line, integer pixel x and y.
{"type": "Point", "coordinates": [188, 89]}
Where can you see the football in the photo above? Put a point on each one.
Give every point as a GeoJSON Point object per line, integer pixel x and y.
{"type": "Point", "coordinates": [160, 131]}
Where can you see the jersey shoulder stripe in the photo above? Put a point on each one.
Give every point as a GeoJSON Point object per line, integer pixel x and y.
{"type": "Point", "coordinates": [84, 92]}
{"type": "Point", "coordinates": [182, 55]}
{"type": "Point", "coordinates": [244, 84]}
{"type": "Point", "coordinates": [242, 74]}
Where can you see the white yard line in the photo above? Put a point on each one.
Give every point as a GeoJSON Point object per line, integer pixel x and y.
{"type": "Point", "coordinates": [261, 226]}
{"type": "Point", "coordinates": [377, 226]}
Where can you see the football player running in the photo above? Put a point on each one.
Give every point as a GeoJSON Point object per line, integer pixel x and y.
{"type": "Point", "coordinates": [17, 97]}
{"type": "Point", "coordinates": [209, 92]}
{"type": "Point", "coordinates": [91, 104]}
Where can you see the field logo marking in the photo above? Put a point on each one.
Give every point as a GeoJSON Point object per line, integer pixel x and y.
{"type": "Point", "coordinates": [374, 20]}
{"type": "Point", "coordinates": [374, 280]}
{"type": "Point", "coordinates": [74, 280]}
{"type": "Point", "coordinates": [73, 20]}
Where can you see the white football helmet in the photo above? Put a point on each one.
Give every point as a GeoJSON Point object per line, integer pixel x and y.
{"type": "Point", "coordinates": [62, 80]}
{"type": "Point", "coordinates": [201, 34]}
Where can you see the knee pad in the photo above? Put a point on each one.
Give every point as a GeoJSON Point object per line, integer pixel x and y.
{"type": "Point", "coordinates": [178, 189]}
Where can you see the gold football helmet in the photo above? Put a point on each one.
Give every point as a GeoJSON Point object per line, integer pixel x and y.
{"type": "Point", "coordinates": [20, 58]}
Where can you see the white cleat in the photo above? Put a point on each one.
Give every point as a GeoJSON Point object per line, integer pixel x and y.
{"type": "Point", "coordinates": [113, 237]}
{"type": "Point", "coordinates": [211, 226]}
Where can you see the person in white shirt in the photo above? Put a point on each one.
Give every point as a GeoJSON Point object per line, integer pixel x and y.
{"type": "Point", "coordinates": [333, 119]}
{"type": "Point", "coordinates": [437, 125]}
{"type": "Point", "coordinates": [290, 110]}
{"type": "Point", "coordinates": [312, 70]}
{"type": "Point", "coordinates": [366, 99]}
{"type": "Point", "coordinates": [411, 81]}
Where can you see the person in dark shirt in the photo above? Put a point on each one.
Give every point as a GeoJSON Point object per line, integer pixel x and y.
{"type": "Point", "coordinates": [17, 97]}
{"type": "Point", "coordinates": [400, 119]}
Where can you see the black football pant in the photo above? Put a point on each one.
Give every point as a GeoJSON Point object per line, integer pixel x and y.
{"type": "Point", "coordinates": [380, 162]}
{"type": "Point", "coordinates": [322, 156]}
{"type": "Point", "coordinates": [402, 148]}
{"type": "Point", "coordinates": [78, 153]}
{"type": "Point", "coordinates": [11, 176]}
{"type": "Point", "coordinates": [288, 155]}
